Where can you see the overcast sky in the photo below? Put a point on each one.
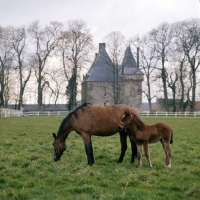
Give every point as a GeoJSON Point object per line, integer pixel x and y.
{"type": "Point", "coordinates": [130, 17]}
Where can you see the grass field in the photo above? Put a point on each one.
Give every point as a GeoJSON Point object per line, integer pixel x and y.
{"type": "Point", "coordinates": [27, 169]}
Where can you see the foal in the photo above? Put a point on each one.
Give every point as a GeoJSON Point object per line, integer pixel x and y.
{"type": "Point", "coordinates": [143, 134]}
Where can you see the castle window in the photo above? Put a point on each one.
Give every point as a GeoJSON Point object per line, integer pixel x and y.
{"type": "Point", "coordinates": [139, 91]}
{"type": "Point", "coordinates": [90, 87]}
{"type": "Point", "coordinates": [104, 91]}
{"type": "Point", "coordinates": [131, 93]}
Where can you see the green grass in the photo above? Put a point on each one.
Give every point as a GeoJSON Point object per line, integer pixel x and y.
{"type": "Point", "coordinates": [27, 169]}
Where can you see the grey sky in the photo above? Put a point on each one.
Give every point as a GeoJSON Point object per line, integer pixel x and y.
{"type": "Point", "coordinates": [130, 17]}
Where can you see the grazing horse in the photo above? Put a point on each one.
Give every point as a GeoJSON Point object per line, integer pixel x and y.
{"type": "Point", "coordinates": [143, 134]}
{"type": "Point", "coordinates": [90, 119]}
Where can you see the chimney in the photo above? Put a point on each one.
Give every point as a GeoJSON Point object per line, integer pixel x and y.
{"type": "Point", "coordinates": [138, 57]}
{"type": "Point", "coordinates": [102, 45]}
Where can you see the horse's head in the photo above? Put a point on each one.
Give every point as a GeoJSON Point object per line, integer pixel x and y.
{"type": "Point", "coordinates": [59, 147]}
{"type": "Point", "coordinates": [125, 121]}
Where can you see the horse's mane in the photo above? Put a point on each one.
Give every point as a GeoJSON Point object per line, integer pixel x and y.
{"type": "Point", "coordinates": [66, 119]}
{"type": "Point", "coordinates": [142, 123]}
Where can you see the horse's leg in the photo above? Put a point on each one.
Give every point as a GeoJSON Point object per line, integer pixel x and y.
{"type": "Point", "coordinates": [89, 153]}
{"type": "Point", "coordinates": [88, 148]}
{"type": "Point", "coordinates": [123, 141]}
{"type": "Point", "coordinates": [168, 154]}
{"type": "Point", "coordinates": [139, 155]}
{"type": "Point", "coordinates": [133, 148]}
{"type": "Point", "coordinates": [147, 154]}
{"type": "Point", "coordinates": [163, 146]}
{"type": "Point", "coordinates": [167, 151]}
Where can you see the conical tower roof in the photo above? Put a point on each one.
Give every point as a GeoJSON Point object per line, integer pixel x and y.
{"type": "Point", "coordinates": [129, 66]}
{"type": "Point", "coordinates": [102, 69]}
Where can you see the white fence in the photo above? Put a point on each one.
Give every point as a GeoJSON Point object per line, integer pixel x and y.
{"type": "Point", "coordinates": [46, 113]}
{"type": "Point", "coordinates": [171, 114]}
{"type": "Point", "coordinates": [5, 112]}
{"type": "Point", "coordinates": [10, 113]}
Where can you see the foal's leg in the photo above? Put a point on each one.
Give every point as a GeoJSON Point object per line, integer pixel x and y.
{"type": "Point", "coordinates": [139, 155]}
{"type": "Point", "coordinates": [168, 154]}
{"type": "Point", "coordinates": [167, 151]}
{"type": "Point", "coordinates": [123, 141]}
{"type": "Point", "coordinates": [147, 154]}
{"type": "Point", "coordinates": [88, 148]}
{"type": "Point", "coordinates": [163, 146]}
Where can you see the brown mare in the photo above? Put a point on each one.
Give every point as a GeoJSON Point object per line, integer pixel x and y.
{"type": "Point", "coordinates": [143, 134]}
{"type": "Point", "coordinates": [90, 119]}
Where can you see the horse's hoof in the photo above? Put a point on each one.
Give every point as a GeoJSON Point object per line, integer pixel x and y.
{"type": "Point", "coordinates": [90, 164]}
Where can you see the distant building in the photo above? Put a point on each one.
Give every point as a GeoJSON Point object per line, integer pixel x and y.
{"type": "Point", "coordinates": [102, 83]}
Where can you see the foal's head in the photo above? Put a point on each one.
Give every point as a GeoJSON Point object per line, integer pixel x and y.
{"type": "Point", "coordinates": [59, 147]}
{"type": "Point", "coordinates": [125, 121]}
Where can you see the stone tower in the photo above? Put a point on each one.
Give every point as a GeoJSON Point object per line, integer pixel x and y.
{"type": "Point", "coordinates": [99, 84]}
{"type": "Point", "coordinates": [132, 80]}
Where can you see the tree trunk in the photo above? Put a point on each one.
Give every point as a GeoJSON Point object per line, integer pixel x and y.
{"type": "Point", "coordinates": [193, 87]}
{"type": "Point", "coordinates": [20, 92]}
{"type": "Point", "coordinates": [182, 90]}
{"type": "Point", "coordinates": [165, 89]}
{"type": "Point", "coordinates": [2, 79]}
{"type": "Point", "coordinates": [149, 92]}
{"type": "Point", "coordinates": [40, 92]}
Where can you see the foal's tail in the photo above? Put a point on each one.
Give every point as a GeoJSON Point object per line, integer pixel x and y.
{"type": "Point", "coordinates": [171, 140]}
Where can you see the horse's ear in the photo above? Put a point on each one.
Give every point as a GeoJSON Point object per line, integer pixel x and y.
{"type": "Point", "coordinates": [54, 135]}
{"type": "Point", "coordinates": [128, 115]}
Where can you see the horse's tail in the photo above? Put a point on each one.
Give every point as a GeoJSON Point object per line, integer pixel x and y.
{"type": "Point", "coordinates": [171, 140]}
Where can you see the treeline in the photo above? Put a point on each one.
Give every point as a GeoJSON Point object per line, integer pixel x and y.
{"type": "Point", "coordinates": [170, 58]}
{"type": "Point", "coordinates": [27, 52]}
{"type": "Point", "coordinates": [47, 61]}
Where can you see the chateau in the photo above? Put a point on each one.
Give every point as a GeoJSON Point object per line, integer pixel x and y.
{"type": "Point", "coordinates": [105, 83]}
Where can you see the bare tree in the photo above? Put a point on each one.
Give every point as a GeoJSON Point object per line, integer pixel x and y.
{"type": "Point", "coordinates": [188, 33]}
{"type": "Point", "coordinates": [75, 46]}
{"type": "Point", "coordinates": [148, 62]}
{"type": "Point", "coordinates": [115, 45]}
{"type": "Point", "coordinates": [161, 39]}
{"type": "Point", "coordinates": [45, 41]}
{"type": "Point", "coordinates": [57, 89]}
{"type": "Point", "coordinates": [5, 66]}
{"type": "Point", "coordinates": [179, 61]}
{"type": "Point", "coordinates": [172, 81]}
{"type": "Point", "coordinates": [17, 41]}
